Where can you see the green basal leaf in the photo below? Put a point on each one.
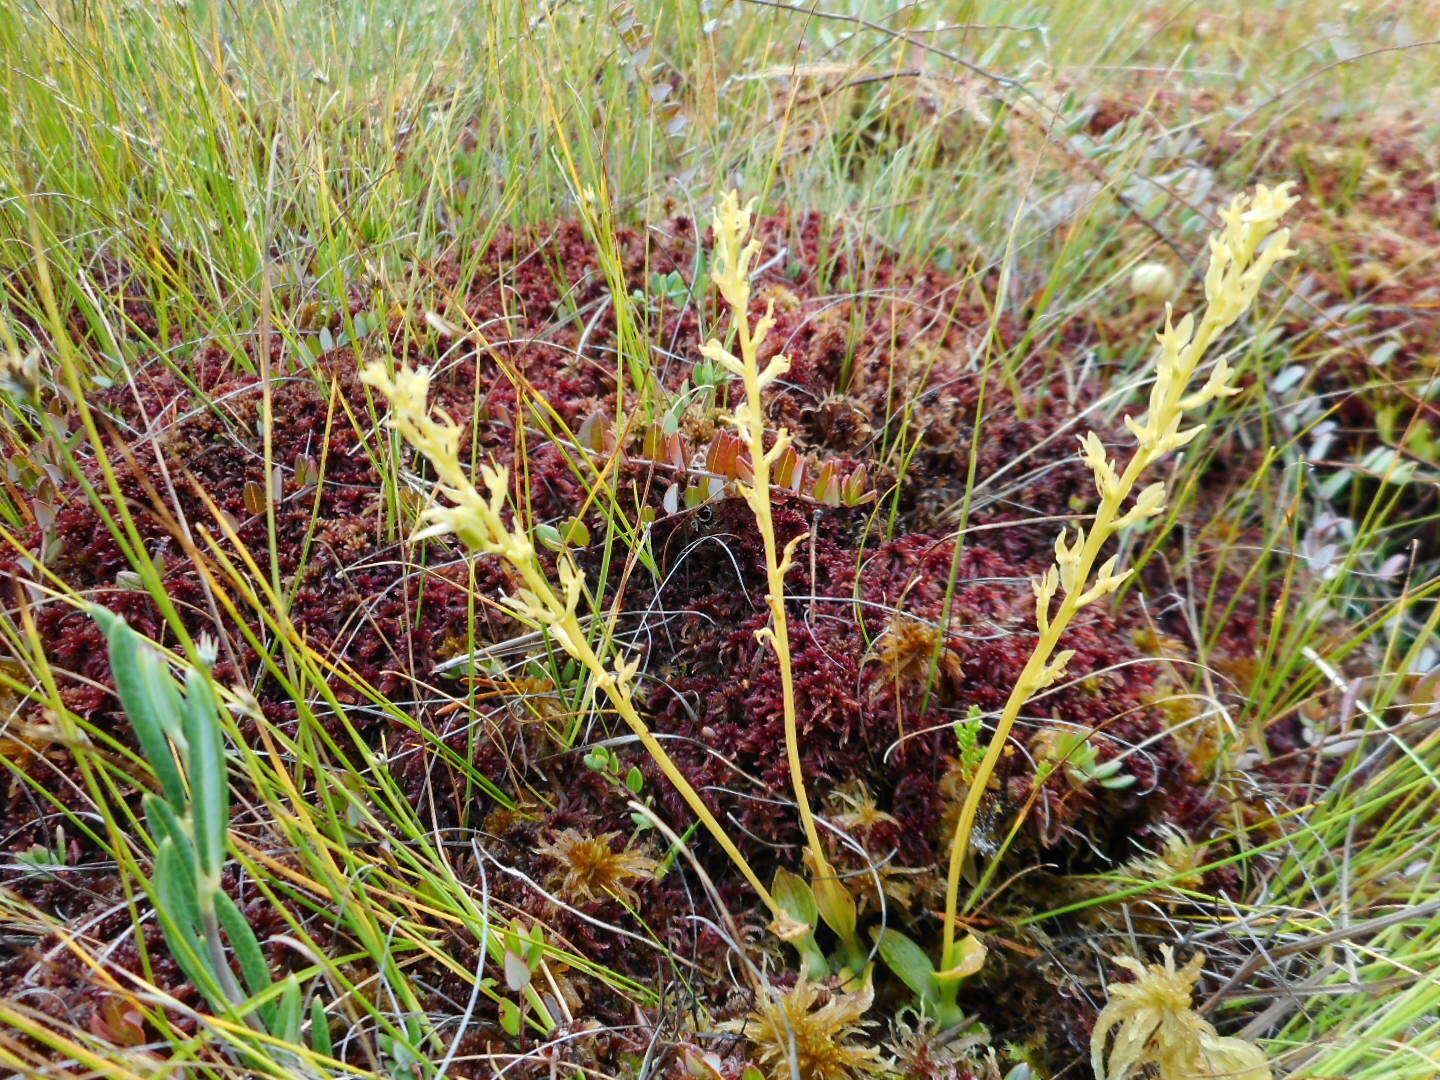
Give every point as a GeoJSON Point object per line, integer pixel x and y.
{"type": "Point", "coordinates": [172, 891]}
{"type": "Point", "coordinates": [253, 967]}
{"type": "Point", "coordinates": [289, 1011]}
{"type": "Point", "coordinates": [510, 1017]}
{"type": "Point", "coordinates": [174, 888]}
{"type": "Point", "coordinates": [577, 533]}
{"type": "Point", "coordinates": [148, 695]}
{"type": "Point", "coordinates": [165, 824]}
{"type": "Point", "coordinates": [517, 971]}
{"type": "Point", "coordinates": [794, 895]}
{"type": "Point", "coordinates": [209, 782]}
{"type": "Point", "coordinates": [837, 908]}
{"type": "Point", "coordinates": [910, 965]}
{"type": "Point", "coordinates": [320, 1029]}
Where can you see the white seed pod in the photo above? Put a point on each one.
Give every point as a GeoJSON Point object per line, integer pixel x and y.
{"type": "Point", "coordinates": [1153, 281]}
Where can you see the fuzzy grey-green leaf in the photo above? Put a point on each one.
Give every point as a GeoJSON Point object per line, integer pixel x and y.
{"type": "Point", "coordinates": [320, 1029]}
{"type": "Point", "coordinates": [245, 944]}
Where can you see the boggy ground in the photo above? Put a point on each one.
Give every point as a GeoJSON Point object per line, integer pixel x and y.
{"type": "Point", "coordinates": [896, 636]}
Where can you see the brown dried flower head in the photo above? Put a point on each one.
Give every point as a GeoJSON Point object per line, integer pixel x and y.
{"type": "Point", "coordinates": [589, 867]}
{"type": "Point", "coordinates": [791, 1036]}
{"type": "Point", "coordinates": [909, 648]}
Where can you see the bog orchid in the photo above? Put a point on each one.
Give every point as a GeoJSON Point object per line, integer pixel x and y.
{"type": "Point", "coordinates": [735, 249]}
{"type": "Point", "coordinates": [1247, 247]}
{"type": "Point", "coordinates": [477, 518]}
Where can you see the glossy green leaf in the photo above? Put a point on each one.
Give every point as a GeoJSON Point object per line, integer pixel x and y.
{"type": "Point", "coordinates": [510, 1017]}
{"type": "Point", "coordinates": [910, 965]}
{"type": "Point", "coordinates": [795, 897]}
{"type": "Point", "coordinates": [577, 533]}
{"type": "Point", "coordinates": [836, 907]}
{"type": "Point", "coordinates": [517, 971]}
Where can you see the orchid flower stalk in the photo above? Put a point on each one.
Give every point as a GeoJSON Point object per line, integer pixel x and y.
{"type": "Point", "coordinates": [477, 518]}
{"type": "Point", "coordinates": [734, 251]}
{"type": "Point", "coordinates": [1239, 260]}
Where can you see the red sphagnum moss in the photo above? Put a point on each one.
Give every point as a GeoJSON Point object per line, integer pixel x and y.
{"type": "Point", "coordinates": [866, 609]}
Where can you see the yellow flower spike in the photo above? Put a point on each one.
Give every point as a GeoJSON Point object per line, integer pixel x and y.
{"type": "Point", "coordinates": [761, 330]}
{"type": "Point", "coordinates": [730, 271]}
{"type": "Point", "coordinates": [1106, 478]}
{"type": "Point", "coordinates": [625, 670]}
{"type": "Point", "coordinates": [1149, 503]}
{"type": "Point", "coordinates": [1247, 247]}
{"type": "Point", "coordinates": [1045, 586]}
{"type": "Point", "coordinates": [477, 519]}
{"type": "Point", "coordinates": [731, 263]}
{"type": "Point", "coordinates": [1054, 671]}
{"type": "Point", "coordinates": [572, 581]}
{"type": "Point", "coordinates": [713, 350]}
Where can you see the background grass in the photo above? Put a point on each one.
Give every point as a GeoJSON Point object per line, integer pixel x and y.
{"type": "Point", "coordinates": [249, 168]}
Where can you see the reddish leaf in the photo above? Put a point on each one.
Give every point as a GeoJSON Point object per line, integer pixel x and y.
{"type": "Point", "coordinates": [827, 485]}
{"type": "Point", "coordinates": [254, 496]}
{"type": "Point", "coordinates": [789, 469]}
{"type": "Point", "coordinates": [119, 1022]}
{"type": "Point", "coordinates": [675, 450]}
{"type": "Point", "coordinates": [595, 434]}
